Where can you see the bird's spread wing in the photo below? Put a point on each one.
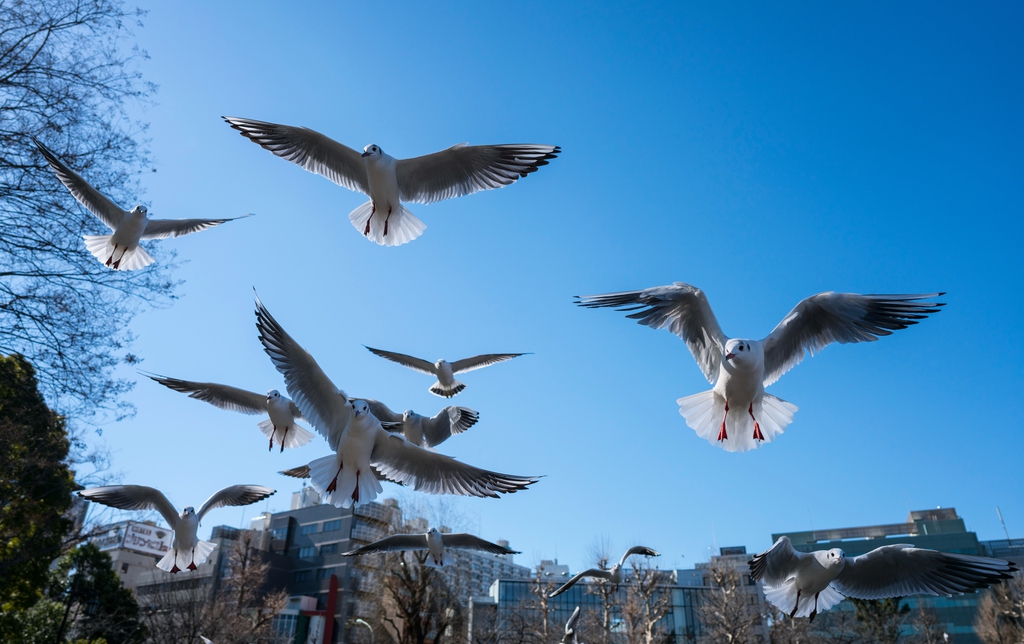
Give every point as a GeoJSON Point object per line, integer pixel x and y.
{"type": "Point", "coordinates": [105, 209]}
{"type": "Point", "coordinates": [235, 495]}
{"type": "Point", "coordinates": [680, 308]}
{"type": "Point", "coordinates": [426, 471]}
{"type": "Point", "coordinates": [470, 542]}
{"type": "Point", "coordinates": [300, 472]}
{"type": "Point", "coordinates": [638, 550]}
{"type": "Point", "coordinates": [901, 570]}
{"type": "Point", "coordinates": [391, 544]}
{"type": "Point", "coordinates": [133, 497]}
{"type": "Point", "coordinates": [479, 362]}
{"type": "Point", "coordinates": [830, 317]}
{"type": "Point", "coordinates": [163, 228]}
{"type": "Point", "coordinates": [381, 411]}
{"type": "Point", "coordinates": [448, 422]}
{"type": "Point", "coordinates": [464, 169]}
{"type": "Point", "coordinates": [223, 396]}
{"type": "Point", "coordinates": [309, 149]}
{"type": "Point", "coordinates": [776, 564]}
{"type": "Point", "coordinates": [318, 399]}
{"type": "Point", "coordinates": [593, 572]}
{"type": "Point", "coordinates": [570, 627]}
{"type": "Point", "coordinates": [416, 364]}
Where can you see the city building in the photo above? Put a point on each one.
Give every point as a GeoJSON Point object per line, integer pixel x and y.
{"type": "Point", "coordinates": [938, 529]}
{"type": "Point", "coordinates": [134, 547]}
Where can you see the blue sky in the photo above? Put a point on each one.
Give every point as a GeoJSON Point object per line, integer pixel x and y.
{"type": "Point", "coordinates": [763, 154]}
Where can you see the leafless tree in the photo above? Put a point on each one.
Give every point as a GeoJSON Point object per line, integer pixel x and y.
{"type": "Point", "coordinates": [726, 615]}
{"type": "Point", "coordinates": [837, 626]}
{"type": "Point", "coordinates": [418, 602]}
{"type": "Point", "coordinates": [600, 554]}
{"type": "Point", "coordinates": [648, 601]}
{"type": "Point", "coordinates": [238, 612]}
{"type": "Point", "coordinates": [67, 72]}
{"type": "Point", "coordinates": [784, 630]}
{"type": "Point", "coordinates": [1000, 616]}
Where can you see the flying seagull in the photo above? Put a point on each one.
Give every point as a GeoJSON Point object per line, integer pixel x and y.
{"type": "Point", "coordinates": [280, 428]}
{"type": "Point", "coordinates": [121, 250]}
{"type": "Point", "coordinates": [570, 628]}
{"type": "Point", "coordinates": [614, 575]}
{"type": "Point", "coordinates": [741, 368]}
{"type": "Point", "coordinates": [446, 385]}
{"type": "Point", "coordinates": [187, 550]}
{"type": "Point", "coordinates": [434, 542]}
{"type": "Point", "coordinates": [421, 430]}
{"type": "Point", "coordinates": [460, 170]}
{"type": "Point", "coordinates": [358, 440]}
{"type": "Point", "coordinates": [802, 583]}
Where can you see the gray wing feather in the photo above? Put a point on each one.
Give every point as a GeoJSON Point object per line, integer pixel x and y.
{"type": "Point", "coordinates": [393, 543]}
{"type": "Point", "coordinates": [300, 472]}
{"type": "Point", "coordinates": [308, 149]}
{"type": "Point", "coordinates": [104, 209]}
{"type": "Point", "coordinates": [570, 627]}
{"type": "Point", "coordinates": [593, 572]}
{"type": "Point", "coordinates": [223, 396]}
{"type": "Point", "coordinates": [448, 422]}
{"type": "Point", "coordinates": [464, 169]}
{"type": "Point", "coordinates": [481, 361]}
{"type": "Point", "coordinates": [682, 309]}
{"type": "Point", "coordinates": [319, 400]}
{"type": "Point", "coordinates": [776, 564]}
{"type": "Point", "coordinates": [901, 570]}
{"type": "Point", "coordinates": [416, 364]}
{"type": "Point", "coordinates": [235, 495]}
{"type": "Point", "coordinates": [471, 542]}
{"type": "Point", "coordinates": [381, 411]}
{"type": "Point", "coordinates": [163, 228]}
{"type": "Point", "coordinates": [638, 550]}
{"type": "Point", "coordinates": [830, 317]}
{"type": "Point", "coordinates": [426, 471]}
{"type": "Point", "coordinates": [133, 497]}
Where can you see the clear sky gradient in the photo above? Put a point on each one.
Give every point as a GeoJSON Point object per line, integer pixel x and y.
{"type": "Point", "coordinates": [763, 154]}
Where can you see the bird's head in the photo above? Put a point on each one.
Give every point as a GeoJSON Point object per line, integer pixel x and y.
{"type": "Point", "coordinates": [189, 511]}
{"type": "Point", "coordinates": [432, 531]}
{"type": "Point", "coordinates": [742, 354]}
{"type": "Point", "coordinates": [373, 151]}
{"type": "Point", "coordinates": [360, 408]}
{"type": "Point", "coordinates": [440, 363]}
{"type": "Point", "coordinates": [835, 557]}
{"type": "Point", "coordinates": [272, 394]}
{"type": "Point", "coordinates": [141, 210]}
{"type": "Point", "coordinates": [408, 415]}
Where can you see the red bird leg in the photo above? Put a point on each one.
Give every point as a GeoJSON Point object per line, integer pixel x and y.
{"type": "Point", "coordinates": [758, 436]}
{"type": "Point", "coordinates": [334, 484]}
{"type": "Point", "coordinates": [111, 258]}
{"type": "Point", "coordinates": [175, 568]}
{"type": "Point", "coordinates": [373, 210]}
{"type": "Point", "coordinates": [192, 564]}
{"type": "Point", "coordinates": [386, 221]}
{"type": "Point", "coordinates": [721, 433]}
{"type": "Point", "coordinates": [271, 448]}
{"type": "Point", "coordinates": [793, 614]}
{"type": "Point", "coordinates": [283, 437]}
{"type": "Point", "coordinates": [355, 492]}
{"type": "Point", "coordinates": [815, 611]}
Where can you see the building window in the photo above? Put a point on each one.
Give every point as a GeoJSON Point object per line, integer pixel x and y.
{"type": "Point", "coordinates": [304, 575]}
{"type": "Point", "coordinates": [329, 549]}
{"type": "Point", "coordinates": [330, 526]}
{"type": "Point", "coordinates": [307, 552]}
{"type": "Point", "coordinates": [279, 533]}
{"type": "Point", "coordinates": [124, 567]}
{"type": "Point", "coordinates": [312, 528]}
{"type": "Point", "coordinates": [324, 573]}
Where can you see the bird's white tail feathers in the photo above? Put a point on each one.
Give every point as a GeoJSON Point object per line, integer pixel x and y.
{"type": "Point", "coordinates": [296, 436]}
{"type": "Point", "coordinates": [185, 557]}
{"type": "Point", "coordinates": [402, 225]}
{"type": "Point", "coordinates": [439, 389]}
{"type": "Point", "coordinates": [102, 248]}
{"type": "Point", "coordinates": [783, 597]}
{"type": "Point", "coordinates": [704, 413]}
{"type": "Point", "coordinates": [348, 489]}
{"type": "Point", "coordinates": [430, 562]}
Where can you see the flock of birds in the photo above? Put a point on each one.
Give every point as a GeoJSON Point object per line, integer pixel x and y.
{"type": "Point", "coordinates": [369, 442]}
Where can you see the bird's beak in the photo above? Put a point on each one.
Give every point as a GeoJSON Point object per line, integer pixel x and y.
{"type": "Point", "coordinates": [730, 356]}
{"type": "Point", "coordinates": [365, 154]}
